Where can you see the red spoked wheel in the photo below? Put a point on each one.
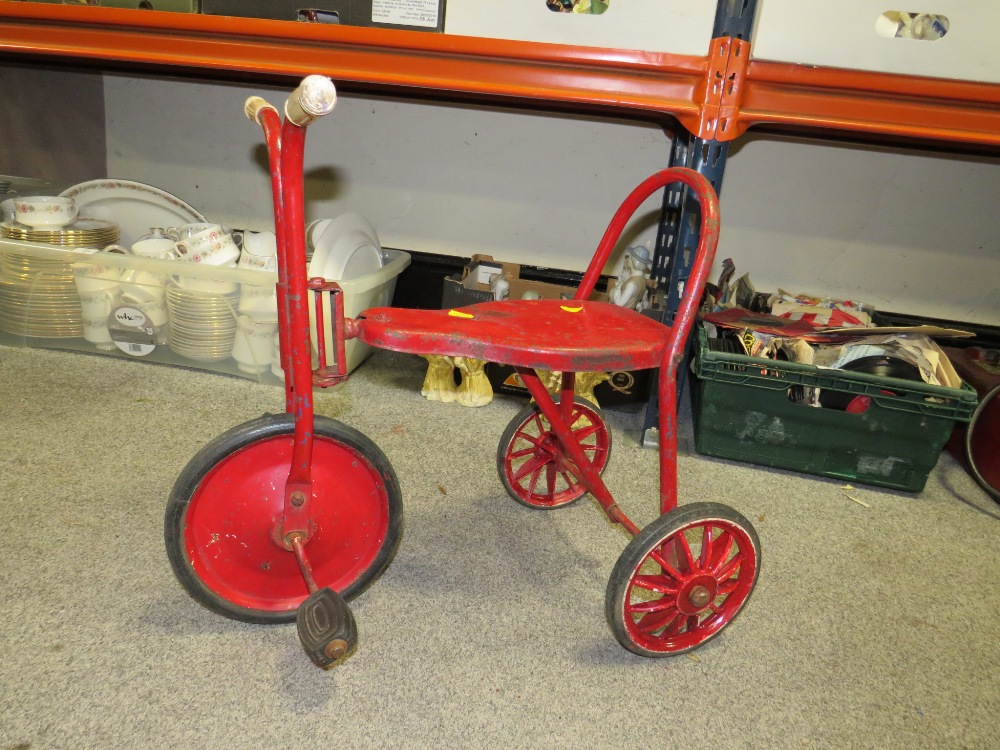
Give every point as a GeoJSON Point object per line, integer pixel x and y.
{"type": "Point", "coordinates": [682, 579]}
{"type": "Point", "coordinates": [222, 514]}
{"type": "Point", "coordinates": [531, 465]}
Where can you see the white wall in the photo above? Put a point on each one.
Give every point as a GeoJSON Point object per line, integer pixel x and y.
{"type": "Point", "coordinates": [529, 188]}
{"type": "Point", "coordinates": [905, 231]}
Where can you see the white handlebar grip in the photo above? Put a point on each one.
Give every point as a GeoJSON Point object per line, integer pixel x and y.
{"type": "Point", "coordinates": [253, 106]}
{"type": "Point", "coordinates": [316, 96]}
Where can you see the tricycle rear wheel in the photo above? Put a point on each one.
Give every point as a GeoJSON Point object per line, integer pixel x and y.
{"type": "Point", "coordinates": [530, 461]}
{"type": "Point", "coordinates": [224, 507]}
{"type": "Point", "coordinates": [682, 579]}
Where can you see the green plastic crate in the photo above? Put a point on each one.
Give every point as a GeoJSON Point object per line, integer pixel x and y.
{"type": "Point", "coordinates": [742, 412]}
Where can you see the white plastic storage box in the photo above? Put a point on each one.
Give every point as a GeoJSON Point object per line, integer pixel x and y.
{"type": "Point", "coordinates": [211, 318]}
{"type": "Point", "coordinates": [374, 289]}
{"type": "Point", "coordinates": [675, 26]}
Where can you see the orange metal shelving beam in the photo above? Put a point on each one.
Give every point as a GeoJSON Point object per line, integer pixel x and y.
{"type": "Point", "coordinates": [718, 96]}
{"type": "Point", "coordinates": [623, 81]}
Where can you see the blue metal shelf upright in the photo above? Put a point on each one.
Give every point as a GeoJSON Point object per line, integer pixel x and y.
{"type": "Point", "coordinates": [679, 229]}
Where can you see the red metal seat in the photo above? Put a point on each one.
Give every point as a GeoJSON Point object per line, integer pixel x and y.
{"type": "Point", "coordinates": [566, 335]}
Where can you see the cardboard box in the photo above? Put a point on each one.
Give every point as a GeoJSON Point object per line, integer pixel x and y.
{"type": "Point", "coordinates": [412, 15]}
{"type": "Point", "coordinates": [624, 389]}
{"type": "Point", "coordinates": [651, 25]}
{"type": "Point", "coordinates": [177, 6]}
{"type": "Point", "coordinates": [474, 284]}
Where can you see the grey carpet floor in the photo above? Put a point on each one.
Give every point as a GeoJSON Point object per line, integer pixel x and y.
{"type": "Point", "coordinates": [871, 627]}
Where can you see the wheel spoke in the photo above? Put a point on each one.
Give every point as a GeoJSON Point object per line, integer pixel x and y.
{"type": "Point", "coordinates": [676, 626]}
{"type": "Point", "coordinates": [514, 455]}
{"type": "Point", "coordinates": [659, 584]}
{"type": "Point", "coordinates": [653, 605]}
{"type": "Point", "coordinates": [533, 440]}
{"type": "Point", "coordinates": [550, 478]}
{"type": "Point", "coordinates": [530, 466]}
{"type": "Point", "coordinates": [682, 542]}
{"type": "Point", "coordinates": [727, 587]}
{"type": "Point", "coordinates": [570, 480]}
{"type": "Point", "coordinates": [722, 547]}
{"type": "Point", "coordinates": [706, 546]}
{"type": "Point", "coordinates": [653, 621]}
{"type": "Point", "coordinates": [729, 568]}
{"type": "Point", "coordinates": [658, 556]}
{"type": "Point", "coordinates": [581, 433]}
{"type": "Point", "coordinates": [533, 481]}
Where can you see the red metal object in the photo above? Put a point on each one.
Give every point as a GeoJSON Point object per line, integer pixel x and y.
{"type": "Point", "coordinates": [689, 587]}
{"type": "Point", "coordinates": [976, 444]}
{"type": "Point", "coordinates": [576, 336]}
{"type": "Point", "coordinates": [569, 336]}
{"type": "Point", "coordinates": [327, 375]}
{"type": "Point", "coordinates": [232, 531]}
{"type": "Point", "coordinates": [533, 465]}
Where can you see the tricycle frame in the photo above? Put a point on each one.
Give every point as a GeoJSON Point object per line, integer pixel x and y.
{"type": "Point", "coordinates": [681, 580]}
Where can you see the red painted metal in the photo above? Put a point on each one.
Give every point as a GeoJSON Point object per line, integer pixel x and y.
{"type": "Point", "coordinates": [581, 466]}
{"type": "Point", "coordinates": [677, 599]}
{"type": "Point", "coordinates": [576, 336]}
{"type": "Point", "coordinates": [290, 492]}
{"type": "Point", "coordinates": [328, 295]}
{"type": "Point", "coordinates": [285, 153]}
{"type": "Point", "coordinates": [536, 466]}
{"type": "Point", "coordinates": [231, 530]}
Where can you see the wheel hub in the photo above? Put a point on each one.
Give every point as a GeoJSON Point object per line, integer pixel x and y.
{"type": "Point", "coordinates": [546, 447]}
{"type": "Point", "coordinates": [696, 594]}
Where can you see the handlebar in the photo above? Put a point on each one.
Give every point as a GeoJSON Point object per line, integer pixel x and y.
{"type": "Point", "coordinates": [315, 96]}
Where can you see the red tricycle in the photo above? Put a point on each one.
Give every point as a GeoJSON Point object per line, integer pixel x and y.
{"type": "Point", "coordinates": [289, 516]}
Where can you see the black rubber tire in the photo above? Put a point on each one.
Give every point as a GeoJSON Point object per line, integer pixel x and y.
{"type": "Point", "coordinates": [528, 414]}
{"type": "Point", "coordinates": [650, 538]}
{"type": "Point", "coordinates": [970, 453]}
{"type": "Point", "coordinates": [242, 437]}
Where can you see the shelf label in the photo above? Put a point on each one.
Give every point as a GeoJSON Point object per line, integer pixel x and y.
{"type": "Point", "coordinates": [406, 12]}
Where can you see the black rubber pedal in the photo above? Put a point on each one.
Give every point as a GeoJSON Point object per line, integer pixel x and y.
{"type": "Point", "coordinates": [326, 627]}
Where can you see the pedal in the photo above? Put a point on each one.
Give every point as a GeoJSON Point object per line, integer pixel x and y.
{"type": "Point", "coordinates": [326, 627]}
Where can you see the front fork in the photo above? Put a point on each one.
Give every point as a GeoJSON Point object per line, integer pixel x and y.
{"type": "Point", "coordinates": [285, 140]}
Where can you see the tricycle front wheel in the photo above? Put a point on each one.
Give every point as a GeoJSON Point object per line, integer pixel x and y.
{"type": "Point", "coordinates": [682, 579]}
{"type": "Point", "coordinates": [224, 507]}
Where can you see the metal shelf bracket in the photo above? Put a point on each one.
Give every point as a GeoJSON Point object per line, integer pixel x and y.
{"type": "Point", "coordinates": [728, 61]}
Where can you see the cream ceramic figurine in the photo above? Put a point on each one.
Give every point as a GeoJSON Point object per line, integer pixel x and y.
{"type": "Point", "coordinates": [439, 382]}
{"type": "Point", "coordinates": [475, 388]}
{"type": "Point", "coordinates": [583, 384]}
{"type": "Point", "coordinates": [586, 382]}
{"type": "Point", "coordinates": [631, 288]}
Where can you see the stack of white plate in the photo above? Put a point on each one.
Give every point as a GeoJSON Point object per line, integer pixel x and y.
{"type": "Point", "coordinates": [202, 324]}
{"type": "Point", "coordinates": [38, 298]}
{"type": "Point", "coordinates": [83, 232]}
